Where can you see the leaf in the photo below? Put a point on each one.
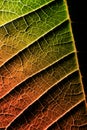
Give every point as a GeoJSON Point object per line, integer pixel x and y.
{"type": "Point", "coordinates": [40, 80]}
{"type": "Point", "coordinates": [13, 9]}
{"type": "Point", "coordinates": [74, 120]}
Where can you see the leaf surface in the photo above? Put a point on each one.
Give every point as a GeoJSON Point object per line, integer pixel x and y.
{"type": "Point", "coordinates": [40, 80]}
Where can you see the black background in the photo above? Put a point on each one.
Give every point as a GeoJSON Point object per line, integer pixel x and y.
{"type": "Point", "coordinates": [78, 15]}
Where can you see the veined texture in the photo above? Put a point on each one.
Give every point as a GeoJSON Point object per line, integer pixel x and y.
{"type": "Point", "coordinates": [40, 80]}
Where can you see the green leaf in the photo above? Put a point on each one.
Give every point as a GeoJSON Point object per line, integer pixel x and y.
{"type": "Point", "coordinates": [13, 9]}
{"type": "Point", "coordinates": [21, 33]}
{"type": "Point", "coordinates": [40, 80]}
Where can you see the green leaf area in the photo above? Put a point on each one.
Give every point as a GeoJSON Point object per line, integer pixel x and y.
{"type": "Point", "coordinates": [40, 81]}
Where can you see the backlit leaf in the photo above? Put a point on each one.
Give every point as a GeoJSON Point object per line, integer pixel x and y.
{"type": "Point", "coordinates": [40, 80]}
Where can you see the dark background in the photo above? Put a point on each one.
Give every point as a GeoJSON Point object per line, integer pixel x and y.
{"type": "Point", "coordinates": [78, 15]}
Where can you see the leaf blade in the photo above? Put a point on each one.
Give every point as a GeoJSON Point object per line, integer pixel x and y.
{"type": "Point", "coordinates": [40, 80]}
